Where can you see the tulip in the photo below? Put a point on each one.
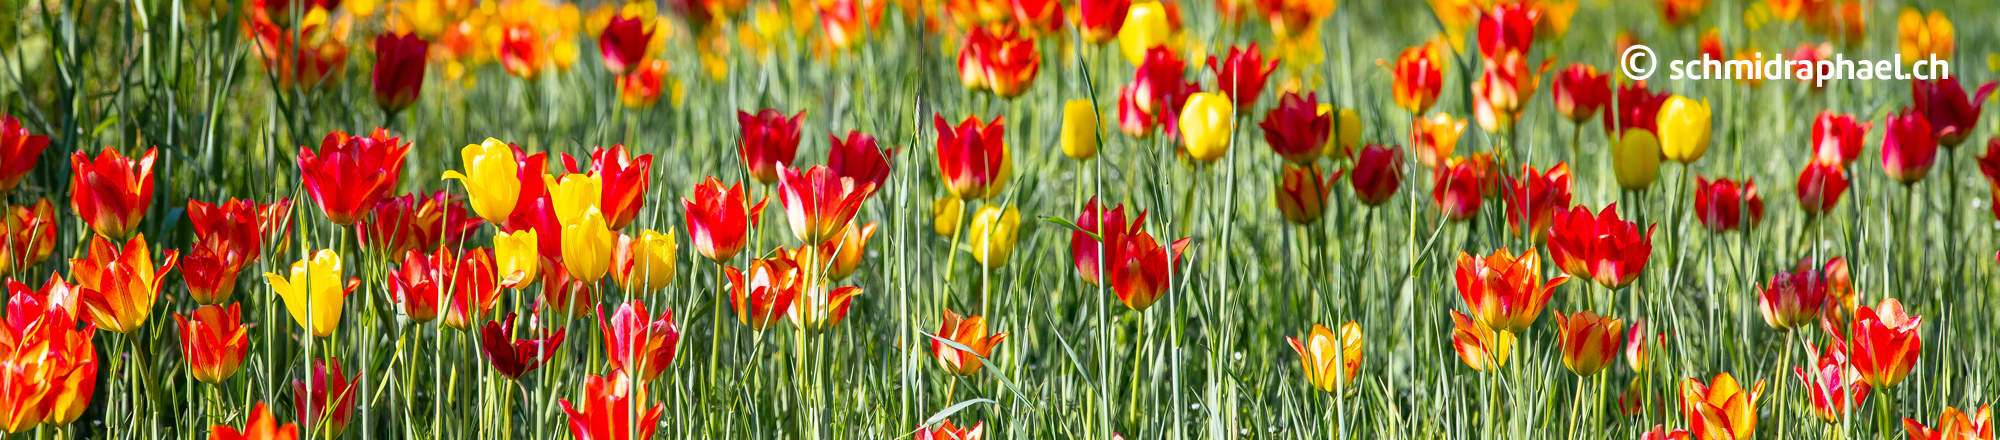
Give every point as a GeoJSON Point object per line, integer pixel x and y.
{"type": "Point", "coordinates": [1677, 13]}
{"type": "Point", "coordinates": [1636, 108]}
{"type": "Point", "coordinates": [1159, 88]}
{"type": "Point", "coordinates": [844, 255]}
{"type": "Point", "coordinates": [635, 342]}
{"type": "Point", "coordinates": [315, 293]}
{"type": "Point", "coordinates": [1831, 381]}
{"type": "Point", "coordinates": [819, 204]}
{"type": "Point", "coordinates": [407, 223]}
{"type": "Point", "coordinates": [1720, 203]}
{"type": "Point", "coordinates": [1302, 192]}
{"type": "Point", "coordinates": [1092, 237]}
{"type": "Point", "coordinates": [767, 291]}
{"type": "Point", "coordinates": [1147, 26]}
{"type": "Point", "coordinates": [1101, 20]}
{"type": "Point", "coordinates": [491, 179]}
{"type": "Point", "coordinates": [1820, 186]}
{"type": "Point", "coordinates": [947, 431]}
{"type": "Point", "coordinates": [566, 294]}
{"type": "Point", "coordinates": [51, 365]}
{"type": "Point", "coordinates": [770, 140]}
{"type": "Point", "coordinates": [1207, 124]}
{"type": "Point", "coordinates": [1720, 409]}
{"type": "Point", "coordinates": [1039, 17]}
{"type": "Point", "coordinates": [214, 342]}
{"type": "Point", "coordinates": [1331, 362]}
{"type": "Point", "coordinates": [972, 59]}
{"type": "Point", "coordinates": [972, 157]}
{"type": "Point", "coordinates": [1079, 129]}
{"type": "Point", "coordinates": [1140, 268]}
{"type": "Point", "coordinates": [623, 43]}
{"type": "Point", "coordinates": [1346, 135]}
{"type": "Point", "coordinates": [817, 306]}
{"type": "Point", "coordinates": [533, 208]}
{"type": "Point", "coordinates": [1507, 28]}
{"type": "Point", "coordinates": [1636, 353]}
{"type": "Point", "coordinates": [644, 263]}
{"type": "Point", "coordinates": [1836, 139]}
{"type": "Point", "coordinates": [969, 333]}
{"type": "Point", "coordinates": [609, 412]}
{"type": "Point", "coordinates": [521, 51]}
{"type": "Point", "coordinates": [1458, 187]}
{"type": "Point", "coordinates": [468, 279]}
{"type": "Point", "coordinates": [847, 22]}
{"type": "Point", "coordinates": [858, 157]}
{"type": "Point", "coordinates": [1909, 148]}
{"type": "Point", "coordinates": [1635, 159]}
{"type": "Point", "coordinates": [1132, 120]}
{"type": "Point", "coordinates": [1500, 94]}
{"type": "Point", "coordinates": [1603, 247]}
{"type": "Point", "coordinates": [1241, 75]}
{"type": "Point", "coordinates": [1533, 199]}
{"type": "Point", "coordinates": [1589, 342]}
{"type": "Point", "coordinates": [30, 236]}
{"type": "Point", "coordinates": [118, 287]}
{"type": "Point", "coordinates": [1660, 432]}
{"type": "Point", "coordinates": [111, 192]}
{"type": "Point", "coordinates": [305, 55]}
{"type": "Point", "coordinates": [1418, 78]}
{"type": "Point", "coordinates": [994, 232]}
{"type": "Point", "coordinates": [1954, 425]}
{"type": "Point", "coordinates": [413, 286]}
{"type": "Point", "coordinates": [719, 219]}
{"type": "Point", "coordinates": [1921, 36]}
{"type": "Point", "coordinates": [515, 357]}
{"type": "Point", "coordinates": [399, 70]}
{"type": "Point", "coordinates": [587, 244]}
{"type": "Point", "coordinates": [329, 387]}
{"type": "Point", "coordinates": [258, 426]}
{"type": "Point", "coordinates": [1436, 138]}
{"type": "Point", "coordinates": [1296, 130]}
{"type": "Point", "coordinates": [945, 213]}
{"type": "Point", "coordinates": [1944, 104]}
{"type": "Point", "coordinates": [1010, 63]}
{"type": "Point", "coordinates": [574, 195]}
{"type": "Point", "coordinates": [1579, 91]}
{"type": "Point", "coordinates": [517, 257]}
{"type": "Point", "coordinates": [622, 181]}
{"type": "Point", "coordinates": [1377, 172]}
{"type": "Point", "coordinates": [641, 87]}
{"type": "Point", "coordinates": [1479, 346]}
{"type": "Point", "coordinates": [1886, 343]}
{"type": "Point", "coordinates": [19, 151]}
{"type": "Point", "coordinates": [1504, 291]}
{"type": "Point", "coordinates": [350, 174]}
{"type": "Point", "coordinates": [1684, 130]}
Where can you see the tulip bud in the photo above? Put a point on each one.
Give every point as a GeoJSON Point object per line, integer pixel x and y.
{"type": "Point", "coordinates": [993, 234]}
{"type": "Point", "coordinates": [1206, 125]}
{"type": "Point", "coordinates": [1684, 129]}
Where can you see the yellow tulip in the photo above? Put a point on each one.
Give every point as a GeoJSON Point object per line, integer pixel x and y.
{"type": "Point", "coordinates": [1079, 129]}
{"type": "Point", "coordinates": [1346, 130]}
{"type": "Point", "coordinates": [1684, 129]}
{"type": "Point", "coordinates": [518, 255]}
{"type": "Point", "coordinates": [944, 215]}
{"type": "Point", "coordinates": [1206, 126]}
{"type": "Point", "coordinates": [492, 178]}
{"type": "Point", "coordinates": [1635, 159]}
{"type": "Point", "coordinates": [846, 252]}
{"type": "Point", "coordinates": [994, 232]}
{"type": "Point", "coordinates": [315, 293]}
{"type": "Point", "coordinates": [1145, 27]}
{"type": "Point", "coordinates": [645, 263]}
{"type": "Point", "coordinates": [1920, 36]}
{"type": "Point", "coordinates": [586, 246]}
{"type": "Point", "coordinates": [573, 195]}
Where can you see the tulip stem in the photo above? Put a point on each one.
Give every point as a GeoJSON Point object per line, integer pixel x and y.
{"type": "Point", "coordinates": [147, 381]}
{"type": "Point", "coordinates": [1574, 405]}
{"type": "Point", "coordinates": [715, 328]}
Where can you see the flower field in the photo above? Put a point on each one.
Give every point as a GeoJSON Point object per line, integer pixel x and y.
{"type": "Point", "coordinates": [995, 219]}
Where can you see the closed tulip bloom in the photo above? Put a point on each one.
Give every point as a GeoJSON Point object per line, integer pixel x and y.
{"type": "Point", "coordinates": [515, 357]}
{"type": "Point", "coordinates": [1590, 342]}
{"type": "Point", "coordinates": [1820, 186]}
{"type": "Point", "coordinates": [349, 174]}
{"type": "Point", "coordinates": [1950, 113]}
{"type": "Point", "coordinates": [945, 213]}
{"type": "Point", "coordinates": [214, 342]}
{"type": "Point", "coordinates": [1436, 138]}
{"type": "Point", "coordinates": [326, 403]}
{"type": "Point", "coordinates": [1296, 130]}
{"type": "Point", "coordinates": [1039, 17]}
{"type": "Point", "coordinates": [612, 408]}
{"type": "Point", "coordinates": [1080, 129]}
{"type": "Point", "coordinates": [1458, 187]}
{"type": "Point", "coordinates": [1098, 227]}
{"type": "Point", "coordinates": [1504, 291]}
{"type": "Point", "coordinates": [1533, 199]}
{"type": "Point", "coordinates": [587, 245]}
{"type": "Point", "coordinates": [623, 43]}
{"type": "Point", "coordinates": [843, 256]}
{"type": "Point", "coordinates": [1909, 148]}
{"type": "Point", "coordinates": [1720, 409]}
{"type": "Point", "coordinates": [1723, 206]}
{"type": "Point", "coordinates": [1635, 159]}
{"type": "Point", "coordinates": [1158, 91]}
{"type": "Point", "coordinates": [972, 59]}
{"type": "Point", "coordinates": [819, 204]}
{"type": "Point", "coordinates": [259, 425]}
{"type": "Point", "coordinates": [399, 70]}
{"type": "Point", "coordinates": [993, 234]}
{"type": "Point", "coordinates": [1101, 20]}
{"type": "Point", "coordinates": [860, 158]}
{"type": "Point", "coordinates": [414, 286]}
{"type": "Point", "coordinates": [1302, 191]}
{"type": "Point", "coordinates": [1140, 269]}
{"type": "Point", "coordinates": [634, 342]}
{"type": "Point", "coordinates": [1241, 75]}
{"type": "Point", "coordinates": [644, 263]}
{"type": "Point", "coordinates": [111, 192]}
{"type": "Point", "coordinates": [1419, 77]}
{"type": "Point", "coordinates": [1637, 353]}
{"type": "Point", "coordinates": [1920, 36]}
{"type": "Point", "coordinates": [468, 279]}
{"type": "Point", "coordinates": [315, 292]}
{"type": "Point", "coordinates": [1886, 343]}
{"type": "Point", "coordinates": [573, 195]}
{"type": "Point", "coordinates": [1377, 172]}
{"type": "Point", "coordinates": [1954, 425]}
{"type": "Point", "coordinates": [1479, 346]}
{"type": "Point", "coordinates": [1206, 126]}
{"type": "Point", "coordinates": [767, 291]}
{"type": "Point", "coordinates": [30, 236]}
{"type": "Point", "coordinates": [1636, 108]}
{"type": "Point", "coordinates": [492, 179]}
{"type": "Point", "coordinates": [517, 257]}
{"type": "Point", "coordinates": [1507, 28]}
{"type": "Point", "coordinates": [1331, 362]}
{"type": "Point", "coordinates": [1684, 129]}
{"type": "Point", "coordinates": [1346, 136]}
{"type": "Point", "coordinates": [118, 284]}
{"type": "Point", "coordinates": [1579, 91]}
{"type": "Point", "coordinates": [770, 141]}
{"type": "Point", "coordinates": [1837, 138]}
{"type": "Point", "coordinates": [1603, 247]}
{"type": "Point", "coordinates": [972, 157]}
{"type": "Point", "coordinates": [19, 151]}
{"type": "Point", "coordinates": [970, 333]}
{"type": "Point", "coordinates": [1832, 383]}
{"type": "Point", "coordinates": [1147, 26]}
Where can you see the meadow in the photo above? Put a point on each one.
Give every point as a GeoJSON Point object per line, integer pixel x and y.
{"type": "Point", "coordinates": [967, 219]}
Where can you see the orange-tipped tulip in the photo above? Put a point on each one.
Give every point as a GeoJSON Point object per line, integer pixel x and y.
{"type": "Point", "coordinates": [1590, 342]}
{"type": "Point", "coordinates": [1954, 425]}
{"type": "Point", "coordinates": [214, 342]}
{"type": "Point", "coordinates": [1331, 362]}
{"type": "Point", "coordinates": [1505, 291]}
{"type": "Point", "coordinates": [118, 286]}
{"type": "Point", "coordinates": [1479, 346]}
{"type": "Point", "coordinates": [1534, 198]}
{"type": "Point", "coordinates": [1886, 343]}
{"type": "Point", "coordinates": [30, 236]}
{"type": "Point", "coordinates": [1302, 192]}
{"type": "Point", "coordinates": [766, 292]}
{"type": "Point", "coordinates": [111, 192]}
{"type": "Point", "coordinates": [969, 332]}
{"type": "Point", "coordinates": [1720, 409]}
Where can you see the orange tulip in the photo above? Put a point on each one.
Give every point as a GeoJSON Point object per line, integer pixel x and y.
{"type": "Point", "coordinates": [1503, 290]}
{"type": "Point", "coordinates": [1720, 409]}
{"type": "Point", "coordinates": [1419, 78]}
{"type": "Point", "coordinates": [769, 289]}
{"type": "Point", "coordinates": [19, 151]}
{"type": "Point", "coordinates": [1302, 193]}
{"type": "Point", "coordinates": [214, 342]}
{"type": "Point", "coordinates": [1589, 342]}
{"type": "Point", "coordinates": [260, 426]}
{"type": "Point", "coordinates": [1831, 380]}
{"type": "Point", "coordinates": [969, 332]}
{"type": "Point", "coordinates": [947, 431]}
{"type": "Point", "coordinates": [1436, 138]}
{"type": "Point", "coordinates": [1479, 346]}
{"type": "Point", "coordinates": [609, 409]}
{"type": "Point", "coordinates": [30, 236]}
{"type": "Point", "coordinates": [111, 192]}
{"type": "Point", "coordinates": [51, 366]}
{"type": "Point", "coordinates": [1886, 343]}
{"type": "Point", "coordinates": [1534, 199]}
{"type": "Point", "coordinates": [1954, 425]}
{"type": "Point", "coordinates": [118, 287]}
{"type": "Point", "coordinates": [1331, 362]}
{"type": "Point", "coordinates": [819, 204]}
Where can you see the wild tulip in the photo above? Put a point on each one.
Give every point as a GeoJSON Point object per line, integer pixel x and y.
{"type": "Point", "coordinates": [769, 142]}
{"type": "Point", "coordinates": [1458, 187]}
{"type": "Point", "coordinates": [819, 204]}
{"type": "Point", "coordinates": [1836, 138]}
{"type": "Point", "coordinates": [1503, 290]}
{"type": "Point", "coordinates": [843, 256]}
{"type": "Point", "coordinates": [1720, 409]}
{"type": "Point", "coordinates": [1140, 269]}
{"type": "Point", "coordinates": [993, 234]}
{"type": "Point", "coordinates": [587, 245]}
{"type": "Point", "coordinates": [859, 157]}
{"type": "Point", "coordinates": [349, 174]}
{"type": "Point", "coordinates": [117, 285]}
{"type": "Point", "coordinates": [1241, 75]}
{"type": "Point", "coordinates": [644, 263]}
{"type": "Point", "coordinates": [719, 219]}
{"type": "Point", "coordinates": [1296, 130]}
{"type": "Point", "coordinates": [52, 365]}
{"type": "Point", "coordinates": [1148, 25]}
{"type": "Point", "coordinates": [1080, 129]}
{"type": "Point", "coordinates": [766, 292]}
{"type": "Point", "coordinates": [972, 59]}
{"type": "Point", "coordinates": [1943, 103]}
{"type": "Point", "coordinates": [1590, 342]}
{"type": "Point", "coordinates": [634, 342]}
{"type": "Point", "coordinates": [1331, 362]}
{"type": "Point", "coordinates": [111, 192]}
{"type": "Point", "coordinates": [968, 332]}
{"type": "Point", "coordinates": [1832, 383]}
{"type": "Point", "coordinates": [1207, 124]}
{"type": "Point", "coordinates": [972, 157]}
{"type": "Point", "coordinates": [1886, 342]}
{"type": "Point", "coordinates": [622, 181]}
{"type": "Point", "coordinates": [517, 257]}
{"type": "Point", "coordinates": [515, 357]}
{"type": "Point", "coordinates": [1533, 199]}
{"type": "Point", "coordinates": [1478, 345]}
{"type": "Point", "coordinates": [1502, 91]}
{"type": "Point", "coordinates": [1132, 120]}
{"type": "Point", "coordinates": [641, 88]}
{"type": "Point", "coordinates": [1419, 78]}
{"type": "Point", "coordinates": [1635, 107]}
{"type": "Point", "coordinates": [623, 43]}
{"type": "Point", "coordinates": [491, 178]}
{"type": "Point", "coordinates": [1635, 159]}
{"type": "Point", "coordinates": [1954, 425]}
{"type": "Point", "coordinates": [1579, 91]}
{"type": "Point", "coordinates": [1604, 247]}
{"type": "Point", "coordinates": [1684, 129]}
{"type": "Point", "coordinates": [1436, 138]}
{"type": "Point", "coordinates": [399, 70]}
{"type": "Point", "coordinates": [326, 403]}
{"type": "Point", "coordinates": [1302, 191]}
{"type": "Point", "coordinates": [214, 342]}
{"type": "Point", "coordinates": [1722, 205]}
{"type": "Point", "coordinates": [521, 50]}
{"type": "Point", "coordinates": [19, 151]}
{"type": "Point", "coordinates": [1507, 28]}
{"type": "Point", "coordinates": [30, 236]}
{"type": "Point", "coordinates": [258, 425]}
{"type": "Point", "coordinates": [1820, 186]}
{"type": "Point", "coordinates": [1097, 227]}
{"type": "Point", "coordinates": [1909, 148]}
{"type": "Point", "coordinates": [611, 408]}
{"type": "Point", "coordinates": [1377, 172]}
{"type": "Point", "coordinates": [315, 292]}
{"type": "Point", "coordinates": [1101, 20]}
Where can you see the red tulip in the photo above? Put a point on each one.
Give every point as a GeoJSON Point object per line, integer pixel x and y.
{"type": "Point", "coordinates": [858, 157]}
{"type": "Point", "coordinates": [623, 43]}
{"type": "Point", "coordinates": [51, 364]}
{"type": "Point", "coordinates": [1084, 249]}
{"type": "Point", "coordinates": [1820, 186]}
{"type": "Point", "coordinates": [1007, 60]}
{"type": "Point", "coordinates": [1418, 78]}
{"type": "Point", "coordinates": [1302, 191]}
{"type": "Point", "coordinates": [847, 22]}
{"type": "Point", "coordinates": [1377, 172]}
{"type": "Point", "coordinates": [1296, 129]}
{"type": "Point", "coordinates": [1909, 148]}
{"type": "Point", "coordinates": [1137, 265]}
{"type": "Point", "coordinates": [767, 292]}
{"type": "Point", "coordinates": [1720, 204]}
{"type": "Point", "coordinates": [641, 87]}
{"type": "Point", "coordinates": [407, 223]}
{"type": "Point", "coordinates": [818, 204]}
{"type": "Point", "coordinates": [972, 157]}
{"type": "Point", "coordinates": [1507, 28]}
{"type": "Point", "coordinates": [118, 285]}
{"type": "Point", "coordinates": [1100, 20]}
{"type": "Point", "coordinates": [327, 402]}
{"type": "Point", "coordinates": [1954, 425]}
{"type": "Point", "coordinates": [1836, 138]}
{"type": "Point", "coordinates": [624, 178]}
{"type": "Point", "coordinates": [521, 51]}
{"type": "Point", "coordinates": [1579, 91]}
{"type": "Point", "coordinates": [1533, 200]}
{"type": "Point", "coordinates": [214, 342]}
{"type": "Point", "coordinates": [1504, 291]}
{"type": "Point", "coordinates": [258, 426]}
{"type": "Point", "coordinates": [1159, 87]}
{"type": "Point", "coordinates": [1459, 187]}
{"type": "Point", "coordinates": [350, 174]}
{"type": "Point", "coordinates": [1131, 120]}
{"type": "Point", "coordinates": [1989, 164]}
{"type": "Point", "coordinates": [1886, 343]}
{"type": "Point", "coordinates": [1637, 108]}
{"type": "Point", "coordinates": [947, 431]}
{"type": "Point", "coordinates": [1603, 247]}
{"type": "Point", "coordinates": [1793, 298]}
{"type": "Point", "coordinates": [30, 236]}
{"type": "Point", "coordinates": [514, 357]}
{"type": "Point", "coordinates": [563, 293]}
{"type": "Point", "coordinates": [399, 70]}
{"type": "Point", "coordinates": [770, 141]}
{"type": "Point", "coordinates": [972, 59]}
{"type": "Point", "coordinates": [1502, 91]}
{"type": "Point", "coordinates": [1832, 383]}
{"type": "Point", "coordinates": [529, 169]}
{"type": "Point", "coordinates": [18, 152]}
{"type": "Point", "coordinates": [1943, 103]}
{"type": "Point", "coordinates": [1241, 75]}
{"type": "Point", "coordinates": [609, 413]}
{"type": "Point", "coordinates": [423, 280]}
{"type": "Point", "coordinates": [634, 341]}
{"type": "Point", "coordinates": [718, 219]}
{"type": "Point", "coordinates": [1039, 17]}
{"type": "Point", "coordinates": [111, 192]}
